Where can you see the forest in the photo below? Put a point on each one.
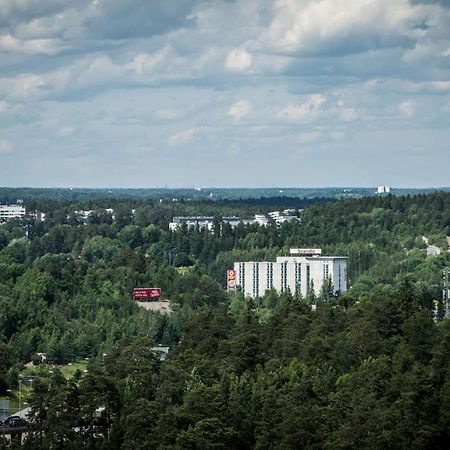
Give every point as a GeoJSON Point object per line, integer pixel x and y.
{"type": "Point", "coordinates": [363, 370]}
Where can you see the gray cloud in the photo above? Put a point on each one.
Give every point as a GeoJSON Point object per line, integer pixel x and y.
{"type": "Point", "coordinates": [121, 19]}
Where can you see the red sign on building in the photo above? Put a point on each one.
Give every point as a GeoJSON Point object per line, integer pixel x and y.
{"type": "Point", "coordinates": [147, 294]}
{"type": "Point", "coordinates": [231, 279]}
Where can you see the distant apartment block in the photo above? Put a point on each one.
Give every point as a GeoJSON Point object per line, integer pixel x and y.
{"type": "Point", "coordinates": [11, 212]}
{"type": "Point", "coordinates": [84, 215]}
{"type": "Point", "coordinates": [279, 217]}
{"type": "Point", "coordinates": [383, 190]}
{"type": "Point", "coordinates": [304, 269]}
{"type": "Point", "coordinates": [203, 222]}
{"type": "Point", "coordinates": [206, 222]}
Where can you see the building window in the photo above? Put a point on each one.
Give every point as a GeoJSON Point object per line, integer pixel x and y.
{"type": "Point", "coordinates": [269, 276]}
{"type": "Point", "coordinates": [242, 275]}
{"type": "Point", "coordinates": [298, 277]}
{"type": "Point", "coordinates": [283, 276]}
{"type": "Point", "coordinates": [255, 279]}
{"type": "Point", "coordinates": [325, 271]}
{"type": "Point", "coordinates": [339, 277]}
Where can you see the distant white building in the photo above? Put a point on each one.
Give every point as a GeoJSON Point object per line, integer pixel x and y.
{"type": "Point", "coordinates": [279, 217]}
{"type": "Point", "coordinates": [383, 190]}
{"type": "Point", "coordinates": [303, 270]}
{"type": "Point", "coordinates": [160, 352]}
{"type": "Point", "coordinates": [262, 219]}
{"type": "Point", "coordinates": [84, 214]}
{"type": "Point", "coordinates": [432, 250]}
{"type": "Point", "coordinates": [204, 222]}
{"type": "Point", "coordinates": [11, 212]}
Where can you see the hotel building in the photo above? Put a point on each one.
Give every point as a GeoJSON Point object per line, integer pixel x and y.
{"type": "Point", "coordinates": [303, 269]}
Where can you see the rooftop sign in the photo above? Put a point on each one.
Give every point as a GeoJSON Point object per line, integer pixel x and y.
{"type": "Point", "coordinates": [305, 251]}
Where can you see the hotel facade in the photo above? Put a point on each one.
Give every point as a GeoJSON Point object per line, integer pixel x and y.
{"type": "Point", "coordinates": [303, 270]}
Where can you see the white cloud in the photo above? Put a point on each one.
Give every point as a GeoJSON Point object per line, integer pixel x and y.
{"type": "Point", "coordinates": [10, 44]}
{"type": "Point", "coordinates": [306, 111]}
{"type": "Point", "coordinates": [440, 85]}
{"type": "Point", "coordinates": [66, 131]}
{"type": "Point", "coordinates": [349, 114]}
{"type": "Point", "coordinates": [5, 146]}
{"type": "Point", "coordinates": [240, 109]}
{"type": "Point", "coordinates": [146, 63]}
{"type": "Point", "coordinates": [406, 108]}
{"type": "Point", "coordinates": [310, 26]}
{"type": "Point", "coordinates": [183, 136]}
{"type": "Point", "coordinates": [238, 60]}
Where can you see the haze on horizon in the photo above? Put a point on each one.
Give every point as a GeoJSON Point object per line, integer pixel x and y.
{"type": "Point", "coordinates": [224, 93]}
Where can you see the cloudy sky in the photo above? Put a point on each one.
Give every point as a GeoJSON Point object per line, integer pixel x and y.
{"type": "Point", "coordinates": [224, 93]}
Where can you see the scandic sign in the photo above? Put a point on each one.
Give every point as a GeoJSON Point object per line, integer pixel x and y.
{"type": "Point", "coordinates": [147, 293]}
{"type": "Point", "coordinates": [305, 251]}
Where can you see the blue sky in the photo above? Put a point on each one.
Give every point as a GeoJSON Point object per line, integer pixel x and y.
{"type": "Point", "coordinates": [244, 93]}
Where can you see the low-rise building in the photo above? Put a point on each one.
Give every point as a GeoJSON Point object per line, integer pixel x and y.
{"type": "Point", "coordinates": [204, 222]}
{"type": "Point", "coordinates": [85, 214]}
{"type": "Point", "coordinates": [261, 219]}
{"type": "Point", "coordinates": [303, 270]}
{"type": "Point", "coordinates": [39, 216]}
{"type": "Point", "coordinates": [287, 215]}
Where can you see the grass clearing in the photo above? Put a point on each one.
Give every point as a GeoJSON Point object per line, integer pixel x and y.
{"type": "Point", "coordinates": [69, 369]}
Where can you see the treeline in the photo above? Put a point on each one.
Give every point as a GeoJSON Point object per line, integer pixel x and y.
{"type": "Point", "coordinates": [350, 375]}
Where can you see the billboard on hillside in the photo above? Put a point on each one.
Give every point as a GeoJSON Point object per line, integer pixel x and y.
{"type": "Point", "coordinates": [147, 294]}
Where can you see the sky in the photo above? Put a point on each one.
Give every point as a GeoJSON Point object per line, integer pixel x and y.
{"type": "Point", "coordinates": [244, 93]}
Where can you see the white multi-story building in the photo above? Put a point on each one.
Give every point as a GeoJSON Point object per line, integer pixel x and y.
{"type": "Point", "coordinates": [85, 214]}
{"type": "Point", "coordinates": [303, 270]}
{"type": "Point", "coordinates": [279, 217]}
{"type": "Point", "coordinates": [204, 222]}
{"type": "Point", "coordinates": [10, 212]}
{"type": "Point", "coordinates": [383, 189]}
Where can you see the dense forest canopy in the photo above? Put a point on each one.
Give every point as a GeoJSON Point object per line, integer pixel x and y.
{"type": "Point", "coordinates": [367, 369]}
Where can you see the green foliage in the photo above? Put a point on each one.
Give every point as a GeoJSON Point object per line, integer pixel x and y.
{"type": "Point", "coordinates": [369, 369]}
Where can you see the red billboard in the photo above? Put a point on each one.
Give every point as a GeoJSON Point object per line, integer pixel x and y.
{"type": "Point", "coordinates": [147, 294]}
